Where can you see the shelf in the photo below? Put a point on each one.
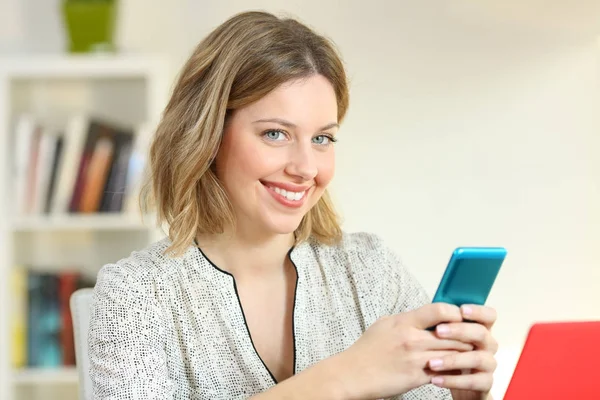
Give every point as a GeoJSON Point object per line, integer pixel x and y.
{"type": "Point", "coordinates": [107, 222]}
{"type": "Point", "coordinates": [127, 88]}
{"type": "Point", "coordinates": [28, 376]}
{"type": "Point", "coordinates": [77, 66]}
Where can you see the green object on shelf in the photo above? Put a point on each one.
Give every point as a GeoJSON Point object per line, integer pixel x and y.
{"type": "Point", "coordinates": [90, 25]}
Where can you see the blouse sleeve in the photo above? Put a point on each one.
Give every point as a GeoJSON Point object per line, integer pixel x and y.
{"type": "Point", "coordinates": [126, 338]}
{"type": "Point", "coordinates": [403, 292]}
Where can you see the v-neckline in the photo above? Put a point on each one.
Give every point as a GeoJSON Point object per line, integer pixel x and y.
{"type": "Point", "coordinates": [241, 310]}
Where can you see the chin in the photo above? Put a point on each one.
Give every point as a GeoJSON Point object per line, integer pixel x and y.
{"type": "Point", "coordinates": [283, 225]}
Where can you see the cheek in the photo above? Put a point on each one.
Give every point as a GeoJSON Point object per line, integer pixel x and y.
{"type": "Point", "coordinates": [240, 164]}
{"type": "Point", "coordinates": [326, 170]}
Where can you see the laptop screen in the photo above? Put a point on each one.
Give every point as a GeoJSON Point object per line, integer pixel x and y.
{"type": "Point", "coordinates": [560, 360]}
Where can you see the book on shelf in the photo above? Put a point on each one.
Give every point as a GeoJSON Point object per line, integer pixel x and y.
{"type": "Point", "coordinates": [42, 327]}
{"type": "Point", "coordinates": [91, 166]}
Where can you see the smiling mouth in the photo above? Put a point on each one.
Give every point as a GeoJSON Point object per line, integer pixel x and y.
{"type": "Point", "coordinates": [286, 197]}
{"type": "Point", "coordinates": [289, 195]}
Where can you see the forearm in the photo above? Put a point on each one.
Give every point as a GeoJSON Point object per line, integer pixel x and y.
{"type": "Point", "coordinates": [323, 380]}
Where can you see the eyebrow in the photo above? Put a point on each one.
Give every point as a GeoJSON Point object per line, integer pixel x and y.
{"type": "Point", "coordinates": [289, 124]}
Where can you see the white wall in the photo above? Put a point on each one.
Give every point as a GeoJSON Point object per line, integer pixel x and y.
{"type": "Point", "coordinates": [471, 123]}
{"type": "Point", "coordinates": [469, 126]}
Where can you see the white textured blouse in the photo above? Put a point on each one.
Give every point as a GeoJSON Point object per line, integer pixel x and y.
{"type": "Point", "coordinates": [174, 329]}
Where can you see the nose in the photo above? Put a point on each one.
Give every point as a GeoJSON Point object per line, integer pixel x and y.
{"type": "Point", "coordinates": [303, 163]}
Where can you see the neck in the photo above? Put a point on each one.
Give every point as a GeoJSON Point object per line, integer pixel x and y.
{"type": "Point", "coordinates": [247, 254]}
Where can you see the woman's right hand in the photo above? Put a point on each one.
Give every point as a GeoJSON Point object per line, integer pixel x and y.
{"type": "Point", "coordinates": [392, 355]}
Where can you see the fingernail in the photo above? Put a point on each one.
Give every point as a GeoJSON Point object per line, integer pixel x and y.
{"type": "Point", "coordinates": [443, 329]}
{"type": "Point", "coordinates": [467, 310]}
{"type": "Point", "coordinates": [435, 363]}
{"type": "Point", "coordinates": [437, 380]}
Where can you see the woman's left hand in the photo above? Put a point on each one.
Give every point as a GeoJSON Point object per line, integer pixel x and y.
{"type": "Point", "coordinates": [479, 363]}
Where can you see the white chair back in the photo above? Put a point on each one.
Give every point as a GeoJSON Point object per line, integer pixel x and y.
{"type": "Point", "coordinates": [80, 302]}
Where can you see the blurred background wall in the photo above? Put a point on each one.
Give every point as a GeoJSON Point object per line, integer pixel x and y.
{"type": "Point", "coordinates": [471, 123]}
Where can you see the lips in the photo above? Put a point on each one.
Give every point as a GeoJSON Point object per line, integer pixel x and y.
{"type": "Point", "coordinates": [287, 194]}
{"type": "Point", "coordinates": [291, 196]}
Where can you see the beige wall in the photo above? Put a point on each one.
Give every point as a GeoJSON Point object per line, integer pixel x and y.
{"type": "Point", "coordinates": [471, 123]}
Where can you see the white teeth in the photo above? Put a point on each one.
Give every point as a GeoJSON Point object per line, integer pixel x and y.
{"type": "Point", "coordinates": [292, 196]}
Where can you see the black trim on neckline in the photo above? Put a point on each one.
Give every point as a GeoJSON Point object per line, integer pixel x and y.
{"type": "Point", "coordinates": [248, 331]}
{"type": "Point", "coordinates": [237, 295]}
{"type": "Point", "coordinates": [210, 261]}
{"type": "Point", "coordinates": [294, 309]}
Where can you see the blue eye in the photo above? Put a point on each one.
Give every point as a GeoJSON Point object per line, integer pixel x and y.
{"type": "Point", "coordinates": [323, 140]}
{"type": "Point", "coordinates": [274, 135]}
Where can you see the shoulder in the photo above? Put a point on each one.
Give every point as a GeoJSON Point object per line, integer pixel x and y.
{"type": "Point", "coordinates": [372, 263]}
{"type": "Point", "coordinates": [359, 250]}
{"type": "Point", "coordinates": [363, 242]}
{"type": "Point", "coordinates": [143, 268]}
{"type": "Point", "coordinates": [144, 263]}
{"type": "Point", "coordinates": [362, 256]}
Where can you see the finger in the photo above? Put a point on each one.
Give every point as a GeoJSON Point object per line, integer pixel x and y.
{"type": "Point", "coordinates": [447, 344]}
{"type": "Point", "coordinates": [431, 341]}
{"type": "Point", "coordinates": [479, 381]}
{"type": "Point", "coordinates": [474, 360]}
{"type": "Point", "coordinates": [484, 315]}
{"type": "Point", "coordinates": [420, 341]}
{"type": "Point", "coordinates": [427, 356]}
{"type": "Point", "coordinates": [468, 332]}
{"type": "Point", "coordinates": [424, 373]}
{"type": "Point", "coordinates": [435, 313]}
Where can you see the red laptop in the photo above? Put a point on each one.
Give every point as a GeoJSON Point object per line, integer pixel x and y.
{"type": "Point", "coordinates": [560, 360]}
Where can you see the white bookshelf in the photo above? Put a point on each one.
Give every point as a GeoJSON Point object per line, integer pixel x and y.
{"type": "Point", "coordinates": [38, 376]}
{"type": "Point", "coordinates": [58, 223]}
{"type": "Point", "coordinates": [84, 66]}
{"type": "Point", "coordinates": [132, 89]}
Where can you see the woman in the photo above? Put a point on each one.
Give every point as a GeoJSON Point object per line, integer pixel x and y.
{"type": "Point", "coordinates": [256, 292]}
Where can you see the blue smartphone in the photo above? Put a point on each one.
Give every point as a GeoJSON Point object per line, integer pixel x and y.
{"type": "Point", "coordinates": [470, 275]}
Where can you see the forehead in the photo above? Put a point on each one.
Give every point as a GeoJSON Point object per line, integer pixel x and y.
{"type": "Point", "coordinates": [303, 102]}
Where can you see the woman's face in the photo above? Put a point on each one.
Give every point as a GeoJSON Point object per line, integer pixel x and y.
{"type": "Point", "coordinates": [277, 156]}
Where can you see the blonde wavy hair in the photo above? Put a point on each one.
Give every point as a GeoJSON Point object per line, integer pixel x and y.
{"type": "Point", "coordinates": [238, 63]}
